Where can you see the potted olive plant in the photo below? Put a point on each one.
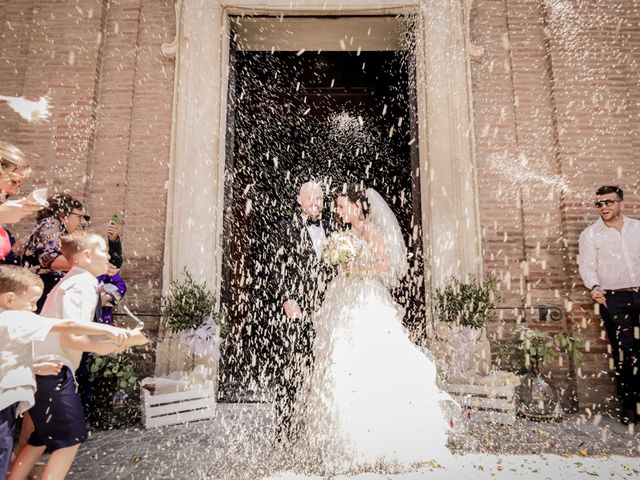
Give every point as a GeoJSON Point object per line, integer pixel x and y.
{"type": "Point", "coordinates": [191, 327]}
{"type": "Point", "coordinates": [463, 309]}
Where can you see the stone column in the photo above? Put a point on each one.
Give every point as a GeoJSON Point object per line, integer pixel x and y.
{"type": "Point", "coordinates": [449, 184]}
{"type": "Point", "coordinates": [194, 211]}
{"type": "Point", "coordinates": [194, 215]}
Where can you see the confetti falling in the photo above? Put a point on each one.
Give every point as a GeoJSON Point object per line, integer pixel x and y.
{"type": "Point", "coordinates": [281, 111]}
{"type": "Point", "coordinates": [31, 111]}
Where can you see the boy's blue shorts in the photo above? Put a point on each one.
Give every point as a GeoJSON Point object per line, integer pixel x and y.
{"type": "Point", "coordinates": [58, 415]}
{"type": "Point", "coordinates": [7, 424]}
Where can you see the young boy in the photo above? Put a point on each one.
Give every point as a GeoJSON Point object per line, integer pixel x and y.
{"type": "Point", "coordinates": [58, 415]}
{"type": "Point", "coordinates": [20, 290]}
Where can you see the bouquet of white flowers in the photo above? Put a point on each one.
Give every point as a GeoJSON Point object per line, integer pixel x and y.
{"type": "Point", "coordinates": [342, 249]}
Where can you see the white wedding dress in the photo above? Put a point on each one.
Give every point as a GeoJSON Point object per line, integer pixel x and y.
{"type": "Point", "coordinates": [371, 401]}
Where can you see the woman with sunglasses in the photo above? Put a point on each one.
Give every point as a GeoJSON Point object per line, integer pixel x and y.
{"type": "Point", "coordinates": [41, 253]}
{"type": "Point", "coordinates": [15, 168]}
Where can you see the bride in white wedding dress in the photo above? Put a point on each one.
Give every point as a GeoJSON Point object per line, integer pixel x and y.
{"type": "Point", "coordinates": [371, 401]}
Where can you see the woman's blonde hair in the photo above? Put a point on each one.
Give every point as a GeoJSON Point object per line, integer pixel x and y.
{"type": "Point", "coordinates": [12, 158]}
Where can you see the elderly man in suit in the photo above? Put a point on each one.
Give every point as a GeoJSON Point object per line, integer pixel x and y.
{"type": "Point", "coordinates": [302, 278]}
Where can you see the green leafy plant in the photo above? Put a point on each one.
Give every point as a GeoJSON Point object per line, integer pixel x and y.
{"type": "Point", "coordinates": [119, 368]}
{"type": "Point", "coordinates": [468, 303]}
{"type": "Point", "coordinates": [187, 304]}
{"type": "Point", "coordinates": [529, 350]}
{"type": "Point", "coordinates": [568, 344]}
{"type": "Point", "coordinates": [113, 394]}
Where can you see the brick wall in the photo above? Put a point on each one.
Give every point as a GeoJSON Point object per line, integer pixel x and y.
{"type": "Point", "coordinates": [556, 112]}
{"type": "Point", "coordinates": [556, 107]}
{"type": "Point", "coordinates": [108, 139]}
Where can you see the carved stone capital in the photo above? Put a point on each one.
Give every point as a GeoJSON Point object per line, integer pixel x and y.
{"type": "Point", "coordinates": [170, 49]}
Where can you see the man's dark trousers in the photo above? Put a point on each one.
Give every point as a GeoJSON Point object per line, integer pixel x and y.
{"type": "Point", "coordinates": [621, 319]}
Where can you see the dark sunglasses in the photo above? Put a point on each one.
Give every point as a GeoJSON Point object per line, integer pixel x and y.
{"type": "Point", "coordinates": [603, 203]}
{"type": "Point", "coordinates": [86, 218]}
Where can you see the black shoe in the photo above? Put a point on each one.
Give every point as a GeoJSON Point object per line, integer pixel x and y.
{"type": "Point", "coordinates": [628, 416]}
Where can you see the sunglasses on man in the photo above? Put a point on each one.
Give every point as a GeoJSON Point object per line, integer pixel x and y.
{"type": "Point", "coordinates": [605, 203]}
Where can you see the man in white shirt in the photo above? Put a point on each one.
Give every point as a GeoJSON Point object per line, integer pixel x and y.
{"type": "Point", "coordinates": [609, 262]}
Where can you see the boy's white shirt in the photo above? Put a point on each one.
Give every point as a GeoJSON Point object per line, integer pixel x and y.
{"type": "Point", "coordinates": [74, 298]}
{"type": "Point", "coordinates": [18, 332]}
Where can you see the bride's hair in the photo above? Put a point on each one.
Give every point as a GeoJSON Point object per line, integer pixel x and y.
{"type": "Point", "coordinates": [357, 193]}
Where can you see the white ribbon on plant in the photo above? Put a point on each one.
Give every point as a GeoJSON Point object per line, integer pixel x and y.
{"type": "Point", "coordinates": [203, 341]}
{"type": "Point", "coordinates": [464, 344]}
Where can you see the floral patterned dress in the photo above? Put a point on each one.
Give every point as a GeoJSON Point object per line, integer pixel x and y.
{"type": "Point", "coordinates": [41, 249]}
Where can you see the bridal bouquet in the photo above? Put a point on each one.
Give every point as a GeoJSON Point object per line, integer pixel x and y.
{"type": "Point", "coordinates": [342, 249]}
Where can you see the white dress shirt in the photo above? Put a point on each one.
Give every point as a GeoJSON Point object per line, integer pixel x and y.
{"type": "Point", "coordinates": [18, 331]}
{"type": "Point", "coordinates": [318, 237]}
{"type": "Point", "coordinates": [610, 258]}
{"type": "Point", "coordinates": [74, 298]}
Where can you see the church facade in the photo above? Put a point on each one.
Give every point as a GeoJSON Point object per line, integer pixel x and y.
{"type": "Point", "coordinates": [518, 111]}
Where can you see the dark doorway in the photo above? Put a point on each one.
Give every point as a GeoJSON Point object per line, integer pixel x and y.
{"type": "Point", "coordinates": [334, 117]}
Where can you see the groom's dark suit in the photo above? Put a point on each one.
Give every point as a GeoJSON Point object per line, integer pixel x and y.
{"type": "Point", "coordinates": [301, 276]}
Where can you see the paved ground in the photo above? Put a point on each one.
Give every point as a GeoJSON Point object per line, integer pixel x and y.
{"type": "Point", "coordinates": [235, 445]}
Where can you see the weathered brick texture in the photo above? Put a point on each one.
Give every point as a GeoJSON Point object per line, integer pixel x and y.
{"type": "Point", "coordinates": [555, 96]}
{"type": "Point", "coordinates": [108, 139]}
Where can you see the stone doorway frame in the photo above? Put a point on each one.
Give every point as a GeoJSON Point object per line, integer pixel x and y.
{"type": "Point", "coordinates": [451, 227]}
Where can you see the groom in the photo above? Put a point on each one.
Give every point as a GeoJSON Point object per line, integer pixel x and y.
{"type": "Point", "coordinates": [302, 280]}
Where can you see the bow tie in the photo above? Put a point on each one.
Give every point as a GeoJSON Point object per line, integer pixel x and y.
{"type": "Point", "coordinates": [316, 223]}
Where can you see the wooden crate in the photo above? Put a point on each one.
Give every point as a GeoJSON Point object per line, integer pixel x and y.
{"type": "Point", "coordinates": [486, 404]}
{"type": "Point", "coordinates": [179, 407]}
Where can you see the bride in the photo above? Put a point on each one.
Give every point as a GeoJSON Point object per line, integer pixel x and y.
{"type": "Point", "coordinates": [371, 401]}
